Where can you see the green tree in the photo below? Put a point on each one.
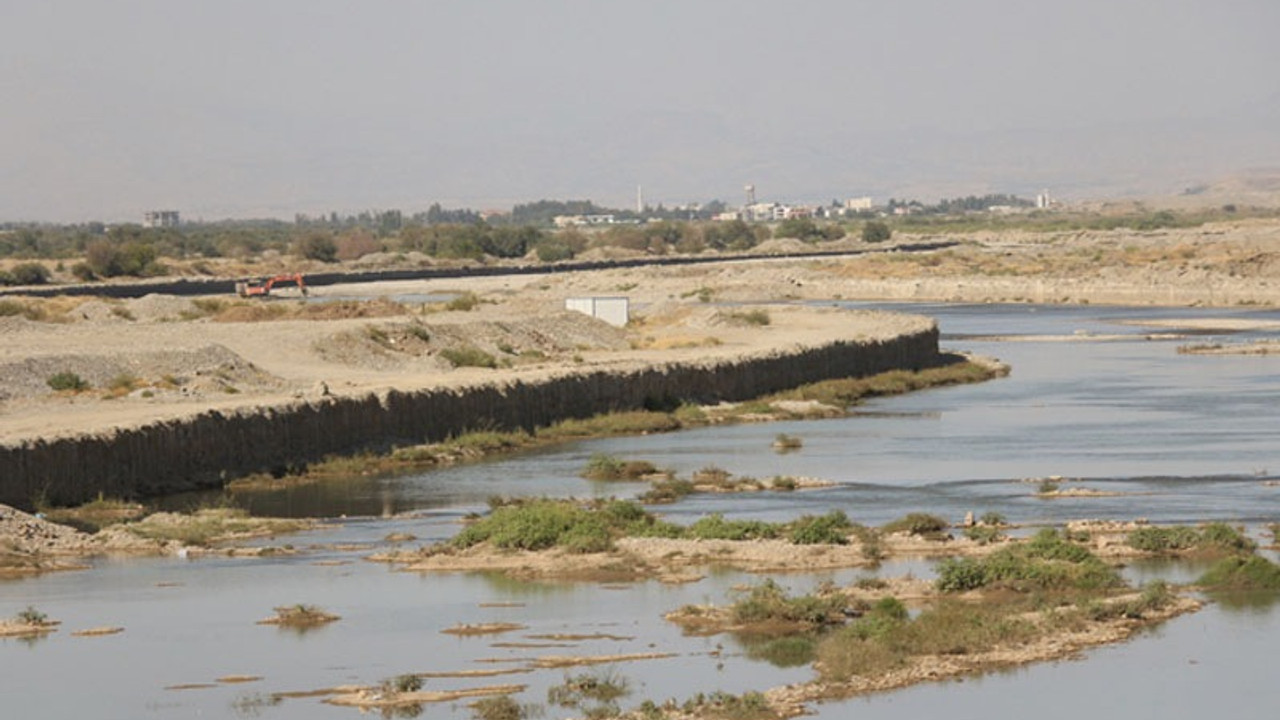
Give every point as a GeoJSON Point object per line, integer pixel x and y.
{"type": "Point", "coordinates": [316, 246]}
{"type": "Point", "coordinates": [30, 274]}
{"type": "Point", "coordinates": [802, 229]}
{"type": "Point", "coordinates": [875, 231]}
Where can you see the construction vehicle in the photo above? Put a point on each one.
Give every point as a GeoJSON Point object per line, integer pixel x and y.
{"type": "Point", "coordinates": [261, 287]}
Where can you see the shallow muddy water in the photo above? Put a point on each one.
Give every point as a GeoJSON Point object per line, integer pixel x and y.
{"type": "Point", "coordinates": [1172, 438]}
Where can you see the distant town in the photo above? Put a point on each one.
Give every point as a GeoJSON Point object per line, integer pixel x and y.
{"type": "Point", "coordinates": [585, 213]}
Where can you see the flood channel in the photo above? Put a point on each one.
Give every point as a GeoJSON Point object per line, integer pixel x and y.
{"type": "Point", "coordinates": [1093, 399]}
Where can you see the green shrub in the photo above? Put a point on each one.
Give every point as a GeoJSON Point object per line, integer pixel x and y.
{"type": "Point", "coordinates": [783, 483]}
{"type": "Point", "coordinates": [124, 382]}
{"type": "Point", "coordinates": [543, 524]}
{"type": "Point", "coordinates": [751, 317]}
{"type": "Point", "coordinates": [402, 684]}
{"type": "Point", "coordinates": [769, 602]}
{"type": "Point", "coordinates": [608, 467]}
{"type": "Point", "coordinates": [31, 616]}
{"type": "Point", "coordinates": [1242, 573]}
{"type": "Point", "coordinates": [500, 707]}
{"type": "Point", "coordinates": [316, 246]}
{"type": "Point", "coordinates": [716, 527]}
{"type": "Point", "coordinates": [886, 614]}
{"type": "Point", "coordinates": [589, 692]}
{"type": "Point", "coordinates": [922, 524]}
{"type": "Point", "coordinates": [992, 518]}
{"type": "Point", "coordinates": [667, 491]}
{"type": "Point", "coordinates": [1049, 544]}
{"type": "Point", "coordinates": [983, 534]}
{"type": "Point", "coordinates": [783, 441]}
{"type": "Point", "coordinates": [1045, 562]}
{"type": "Point", "coordinates": [1223, 537]}
{"type": "Point", "coordinates": [829, 529]}
{"type": "Point", "coordinates": [875, 231]}
{"type": "Point", "coordinates": [9, 308]}
{"type": "Point", "coordinates": [1163, 539]}
{"type": "Point", "coordinates": [30, 274]}
{"type": "Point", "coordinates": [1212, 538]}
{"type": "Point", "coordinates": [468, 356]}
{"type": "Point", "coordinates": [67, 380]}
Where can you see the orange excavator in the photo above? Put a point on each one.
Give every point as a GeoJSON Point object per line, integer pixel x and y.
{"type": "Point", "coordinates": [261, 287]}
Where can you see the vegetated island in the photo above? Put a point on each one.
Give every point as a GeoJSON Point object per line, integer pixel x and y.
{"type": "Point", "coordinates": [999, 600]}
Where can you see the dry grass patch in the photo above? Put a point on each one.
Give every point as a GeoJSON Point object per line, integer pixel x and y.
{"type": "Point", "coordinates": [300, 617]}
{"type": "Point", "coordinates": [496, 628]}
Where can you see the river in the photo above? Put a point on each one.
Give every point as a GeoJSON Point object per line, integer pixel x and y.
{"type": "Point", "coordinates": [1092, 400]}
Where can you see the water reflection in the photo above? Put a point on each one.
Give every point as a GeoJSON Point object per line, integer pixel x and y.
{"type": "Point", "coordinates": [783, 652]}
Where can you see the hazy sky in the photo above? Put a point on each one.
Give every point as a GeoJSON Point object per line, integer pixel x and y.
{"type": "Point", "coordinates": [236, 108]}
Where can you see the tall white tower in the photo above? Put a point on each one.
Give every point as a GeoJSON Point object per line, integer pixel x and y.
{"type": "Point", "coordinates": [751, 195]}
{"type": "Point", "coordinates": [640, 199]}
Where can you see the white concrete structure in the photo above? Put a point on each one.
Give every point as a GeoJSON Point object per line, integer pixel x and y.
{"type": "Point", "coordinates": [614, 310]}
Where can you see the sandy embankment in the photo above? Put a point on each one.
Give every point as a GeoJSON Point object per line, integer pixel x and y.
{"type": "Point", "coordinates": [185, 366]}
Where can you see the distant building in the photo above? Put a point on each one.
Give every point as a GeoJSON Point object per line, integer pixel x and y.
{"type": "Point", "coordinates": [858, 204]}
{"type": "Point", "coordinates": [1043, 201]}
{"type": "Point", "coordinates": [160, 219]}
{"type": "Point", "coordinates": [562, 221]}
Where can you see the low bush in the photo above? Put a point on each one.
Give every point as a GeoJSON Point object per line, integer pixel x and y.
{"type": "Point", "coordinates": [463, 303]}
{"type": "Point", "coordinates": [1242, 573]}
{"type": "Point", "coordinates": [31, 616]}
{"type": "Point", "coordinates": [635, 422]}
{"type": "Point", "coordinates": [1045, 562]}
{"type": "Point", "coordinates": [538, 525]}
{"type": "Point", "coordinates": [830, 529]}
{"type": "Point", "coordinates": [873, 647]}
{"type": "Point", "coordinates": [784, 441]}
{"type": "Point", "coordinates": [667, 491]}
{"type": "Point", "coordinates": [769, 602]}
{"type": "Point", "coordinates": [921, 524]}
{"type": "Point", "coordinates": [1212, 538]}
{"type": "Point", "coordinates": [993, 519]}
{"type": "Point", "coordinates": [983, 534]}
{"type": "Point", "coordinates": [608, 467]}
{"type": "Point", "coordinates": [300, 616]}
{"type": "Point", "coordinates": [402, 684]}
{"type": "Point", "coordinates": [749, 705]}
{"type": "Point", "coordinates": [749, 317]}
{"type": "Point", "coordinates": [500, 707]}
{"type": "Point", "coordinates": [67, 381]}
{"type": "Point", "coordinates": [596, 694]}
{"type": "Point", "coordinates": [468, 356]}
{"type": "Point", "coordinates": [716, 527]}
{"type": "Point", "coordinates": [30, 273]}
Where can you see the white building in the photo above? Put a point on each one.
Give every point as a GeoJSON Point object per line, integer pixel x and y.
{"type": "Point", "coordinates": [160, 219]}
{"type": "Point", "coordinates": [562, 221]}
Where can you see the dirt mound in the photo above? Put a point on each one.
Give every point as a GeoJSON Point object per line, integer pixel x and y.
{"type": "Point", "coordinates": [159, 308]}
{"type": "Point", "coordinates": [210, 368]}
{"type": "Point", "coordinates": [387, 346]}
{"type": "Point", "coordinates": [28, 534]}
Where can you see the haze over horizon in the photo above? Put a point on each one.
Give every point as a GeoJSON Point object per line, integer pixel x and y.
{"type": "Point", "coordinates": [266, 109]}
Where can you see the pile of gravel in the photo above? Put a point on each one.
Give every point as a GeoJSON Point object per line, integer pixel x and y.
{"type": "Point", "coordinates": [28, 534]}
